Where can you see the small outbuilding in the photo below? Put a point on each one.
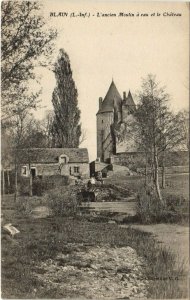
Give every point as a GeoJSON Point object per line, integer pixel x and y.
{"type": "Point", "coordinates": [97, 167]}
{"type": "Point", "coordinates": [54, 161]}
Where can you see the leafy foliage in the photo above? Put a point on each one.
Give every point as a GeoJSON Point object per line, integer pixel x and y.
{"type": "Point", "coordinates": [66, 128]}
{"type": "Point", "coordinates": [64, 201]}
{"type": "Point", "coordinates": [159, 129]}
{"type": "Point", "coordinates": [25, 40]}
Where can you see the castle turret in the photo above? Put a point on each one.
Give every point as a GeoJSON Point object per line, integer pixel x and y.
{"type": "Point", "coordinates": [100, 103]}
{"type": "Point", "coordinates": [128, 106]}
{"type": "Point", "coordinates": [108, 113]}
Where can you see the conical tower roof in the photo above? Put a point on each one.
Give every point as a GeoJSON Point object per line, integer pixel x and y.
{"type": "Point", "coordinates": [129, 100]}
{"type": "Point", "coordinates": [112, 100]}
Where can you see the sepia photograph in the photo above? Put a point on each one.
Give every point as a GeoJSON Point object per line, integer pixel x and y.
{"type": "Point", "coordinates": [94, 149]}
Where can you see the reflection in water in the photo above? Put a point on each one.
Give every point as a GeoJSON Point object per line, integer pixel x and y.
{"type": "Point", "coordinates": [119, 207]}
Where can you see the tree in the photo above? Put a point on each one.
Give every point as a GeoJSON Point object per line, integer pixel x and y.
{"type": "Point", "coordinates": [26, 41]}
{"type": "Point", "coordinates": [34, 134]}
{"type": "Point", "coordinates": [159, 129]}
{"type": "Point", "coordinates": [83, 136]}
{"type": "Point", "coordinates": [14, 134]}
{"type": "Point", "coordinates": [47, 125]}
{"type": "Point", "coordinates": [185, 116]}
{"type": "Point", "coordinates": [66, 127]}
{"type": "Point", "coordinates": [25, 133]}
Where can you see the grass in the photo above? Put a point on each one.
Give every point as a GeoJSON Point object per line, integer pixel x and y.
{"type": "Point", "coordinates": [177, 184]}
{"type": "Point", "coordinates": [41, 239]}
{"type": "Point", "coordinates": [176, 194]}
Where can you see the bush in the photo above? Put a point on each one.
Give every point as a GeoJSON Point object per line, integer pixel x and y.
{"type": "Point", "coordinates": [147, 206]}
{"type": "Point", "coordinates": [38, 186]}
{"type": "Point", "coordinates": [64, 201]}
{"type": "Point", "coordinates": [23, 186]}
{"type": "Point", "coordinates": [150, 210]}
{"type": "Point", "coordinates": [23, 204]}
{"type": "Point", "coordinates": [41, 184]}
{"type": "Point", "coordinates": [174, 202]}
{"type": "Point", "coordinates": [26, 204]}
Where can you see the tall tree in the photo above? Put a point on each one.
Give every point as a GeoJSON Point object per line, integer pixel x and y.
{"type": "Point", "coordinates": [66, 125]}
{"type": "Point", "coordinates": [160, 130]}
{"type": "Point", "coordinates": [26, 42]}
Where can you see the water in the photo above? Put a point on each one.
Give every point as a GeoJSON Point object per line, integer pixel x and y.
{"type": "Point", "coordinates": [119, 207]}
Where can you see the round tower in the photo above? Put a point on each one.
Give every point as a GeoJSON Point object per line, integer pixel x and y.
{"type": "Point", "coordinates": [109, 112]}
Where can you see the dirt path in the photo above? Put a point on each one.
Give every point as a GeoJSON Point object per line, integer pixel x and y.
{"type": "Point", "coordinates": [174, 237]}
{"type": "Point", "coordinates": [94, 273]}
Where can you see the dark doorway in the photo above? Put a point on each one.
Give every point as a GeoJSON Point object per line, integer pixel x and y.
{"type": "Point", "coordinates": [33, 172]}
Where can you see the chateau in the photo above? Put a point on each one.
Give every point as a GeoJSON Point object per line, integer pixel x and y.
{"type": "Point", "coordinates": [116, 142]}
{"type": "Point", "coordinates": [113, 116]}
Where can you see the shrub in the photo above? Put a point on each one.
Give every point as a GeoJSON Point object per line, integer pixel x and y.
{"type": "Point", "coordinates": [64, 201]}
{"type": "Point", "coordinates": [23, 186]}
{"type": "Point", "coordinates": [41, 184]}
{"type": "Point", "coordinates": [148, 206]}
{"type": "Point", "coordinates": [150, 210]}
{"type": "Point", "coordinates": [23, 204]}
{"type": "Point", "coordinates": [174, 202]}
{"type": "Point", "coordinates": [38, 186]}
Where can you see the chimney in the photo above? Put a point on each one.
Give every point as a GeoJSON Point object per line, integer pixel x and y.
{"type": "Point", "coordinates": [124, 95]}
{"type": "Point", "coordinates": [100, 102]}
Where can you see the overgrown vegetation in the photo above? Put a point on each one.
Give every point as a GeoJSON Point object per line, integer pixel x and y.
{"type": "Point", "coordinates": [42, 239]}
{"type": "Point", "coordinates": [40, 185]}
{"type": "Point", "coordinates": [150, 210]}
{"type": "Point", "coordinates": [64, 201]}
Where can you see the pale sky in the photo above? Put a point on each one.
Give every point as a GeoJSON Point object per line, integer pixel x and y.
{"type": "Point", "coordinates": [125, 48]}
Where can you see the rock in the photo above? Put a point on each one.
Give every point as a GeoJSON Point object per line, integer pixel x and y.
{"type": "Point", "coordinates": [111, 222]}
{"type": "Point", "coordinates": [124, 269]}
{"type": "Point", "coordinates": [41, 212]}
{"type": "Point", "coordinates": [11, 230]}
{"type": "Point", "coordinates": [119, 218]}
{"type": "Point", "coordinates": [94, 267]}
{"type": "Point", "coordinates": [120, 276]}
{"type": "Point", "coordinates": [135, 289]}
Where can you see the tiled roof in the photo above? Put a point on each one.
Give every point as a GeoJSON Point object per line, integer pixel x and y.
{"type": "Point", "coordinates": [111, 100]}
{"type": "Point", "coordinates": [51, 155]}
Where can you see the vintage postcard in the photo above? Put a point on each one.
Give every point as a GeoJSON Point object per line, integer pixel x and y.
{"type": "Point", "coordinates": [94, 149]}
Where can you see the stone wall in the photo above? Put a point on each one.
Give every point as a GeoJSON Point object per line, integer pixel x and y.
{"type": "Point", "coordinates": [66, 170]}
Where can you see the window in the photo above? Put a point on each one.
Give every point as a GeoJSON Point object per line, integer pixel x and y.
{"type": "Point", "coordinates": [63, 159]}
{"type": "Point", "coordinates": [24, 171]}
{"type": "Point", "coordinates": [76, 169]}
